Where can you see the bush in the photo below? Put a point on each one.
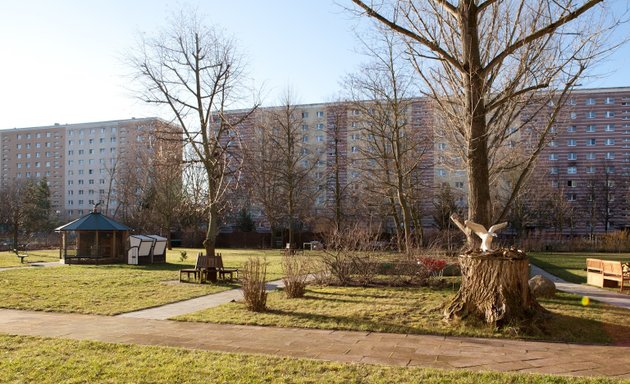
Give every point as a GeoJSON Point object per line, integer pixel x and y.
{"type": "Point", "coordinates": [349, 254]}
{"type": "Point", "coordinates": [296, 270]}
{"type": "Point", "coordinates": [253, 276]}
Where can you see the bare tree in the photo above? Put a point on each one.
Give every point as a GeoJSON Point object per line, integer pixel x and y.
{"type": "Point", "coordinates": [392, 155]}
{"type": "Point", "coordinates": [491, 68]}
{"type": "Point", "coordinates": [484, 62]}
{"type": "Point", "coordinates": [288, 164]}
{"type": "Point", "coordinates": [196, 73]}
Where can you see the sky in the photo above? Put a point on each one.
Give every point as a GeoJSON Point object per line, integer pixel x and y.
{"type": "Point", "coordinates": [62, 60]}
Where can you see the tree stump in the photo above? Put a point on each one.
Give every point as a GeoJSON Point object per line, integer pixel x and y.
{"type": "Point", "coordinates": [494, 288]}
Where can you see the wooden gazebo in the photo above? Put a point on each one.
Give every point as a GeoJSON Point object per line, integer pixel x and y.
{"type": "Point", "coordinates": [99, 239]}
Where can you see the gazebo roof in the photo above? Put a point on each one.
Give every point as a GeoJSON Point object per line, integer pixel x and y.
{"type": "Point", "coordinates": [94, 221]}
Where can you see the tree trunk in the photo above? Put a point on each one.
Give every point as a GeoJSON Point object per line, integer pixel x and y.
{"type": "Point", "coordinates": [494, 288]}
{"type": "Point", "coordinates": [209, 242]}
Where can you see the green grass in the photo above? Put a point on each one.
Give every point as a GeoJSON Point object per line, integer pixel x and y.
{"type": "Point", "coordinates": [114, 289]}
{"type": "Point", "coordinates": [570, 266]}
{"type": "Point", "coordinates": [46, 360]}
{"type": "Point", "coordinates": [416, 310]}
{"type": "Point", "coordinates": [8, 259]}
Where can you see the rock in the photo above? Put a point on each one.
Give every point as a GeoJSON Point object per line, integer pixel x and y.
{"type": "Point", "coordinates": [541, 286]}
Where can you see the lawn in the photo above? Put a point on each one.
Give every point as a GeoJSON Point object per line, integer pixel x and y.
{"type": "Point", "coordinates": [418, 310]}
{"type": "Point", "coordinates": [570, 266]}
{"type": "Point", "coordinates": [113, 289]}
{"type": "Point", "coordinates": [8, 259]}
{"type": "Point", "coordinates": [46, 360]}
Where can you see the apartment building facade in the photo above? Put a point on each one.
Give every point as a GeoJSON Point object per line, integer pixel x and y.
{"type": "Point", "coordinates": [586, 161]}
{"type": "Point", "coordinates": [79, 161]}
{"type": "Point", "coordinates": [586, 164]}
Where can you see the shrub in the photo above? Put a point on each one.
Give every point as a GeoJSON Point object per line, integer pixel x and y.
{"type": "Point", "coordinates": [253, 276]}
{"type": "Point", "coordinates": [349, 254]}
{"type": "Point", "coordinates": [296, 270]}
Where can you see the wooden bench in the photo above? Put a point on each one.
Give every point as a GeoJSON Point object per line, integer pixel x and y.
{"type": "Point", "coordinates": [21, 258]}
{"type": "Point", "coordinates": [200, 266]}
{"type": "Point", "coordinates": [607, 273]}
{"type": "Point", "coordinates": [223, 270]}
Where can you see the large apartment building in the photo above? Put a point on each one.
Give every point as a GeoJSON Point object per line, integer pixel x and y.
{"type": "Point", "coordinates": [588, 155]}
{"type": "Point", "coordinates": [80, 161]}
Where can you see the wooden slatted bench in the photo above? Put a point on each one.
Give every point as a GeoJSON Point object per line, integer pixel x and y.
{"type": "Point", "coordinates": [607, 273]}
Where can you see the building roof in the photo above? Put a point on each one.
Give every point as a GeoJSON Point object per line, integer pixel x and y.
{"type": "Point", "coordinates": [94, 221]}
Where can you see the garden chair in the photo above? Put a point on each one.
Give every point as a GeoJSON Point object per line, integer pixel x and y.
{"type": "Point", "coordinates": [200, 266]}
{"type": "Point", "coordinates": [223, 270]}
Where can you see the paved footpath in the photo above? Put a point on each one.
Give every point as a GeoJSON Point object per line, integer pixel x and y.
{"type": "Point", "coordinates": [194, 305]}
{"type": "Point", "coordinates": [360, 347]}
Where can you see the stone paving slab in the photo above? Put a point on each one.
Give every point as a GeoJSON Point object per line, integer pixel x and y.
{"type": "Point", "coordinates": [347, 346]}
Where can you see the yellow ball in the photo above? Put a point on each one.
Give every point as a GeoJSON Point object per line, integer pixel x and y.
{"type": "Point", "coordinates": [585, 301]}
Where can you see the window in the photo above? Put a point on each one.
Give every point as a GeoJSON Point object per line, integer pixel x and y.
{"type": "Point", "coordinates": [571, 142]}
{"type": "Point", "coordinates": [590, 142]}
{"type": "Point", "coordinates": [112, 140]}
{"type": "Point", "coordinates": [80, 191]}
{"type": "Point", "coordinates": [610, 128]}
{"type": "Point", "coordinates": [355, 136]}
{"type": "Point", "coordinates": [554, 183]}
{"type": "Point", "coordinates": [571, 183]}
{"type": "Point", "coordinates": [572, 196]}
{"type": "Point", "coordinates": [590, 156]}
{"type": "Point", "coordinates": [320, 113]}
{"type": "Point", "coordinates": [590, 128]}
{"type": "Point", "coordinates": [571, 156]}
{"type": "Point", "coordinates": [304, 115]}
{"type": "Point", "coordinates": [70, 162]}
{"type": "Point", "coordinates": [356, 112]}
{"type": "Point", "coordinates": [81, 152]}
{"type": "Point", "coordinates": [80, 171]}
{"type": "Point", "coordinates": [320, 126]}
{"type": "Point", "coordinates": [571, 170]}
{"type": "Point", "coordinates": [571, 128]}
{"type": "Point", "coordinates": [610, 155]}
{"type": "Point", "coordinates": [553, 156]}
{"type": "Point", "coordinates": [610, 114]}
{"type": "Point", "coordinates": [572, 101]}
{"type": "Point", "coordinates": [610, 169]}
{"type": "Point", "coordinates": [305, 139]}
{"type": "Point", "coordinates": [441, 146]}
{"type": "Point", "coordinates": [610, 141]}
{"type": "Point", "coordinates": [305, 127]}
{"type": "Point", "coordinates": [609, 100]}
{"type": "Point", "coordinates": [590, 101]}
{"type": "Point", "coordinates": [459, 184]}
{"type": "Point", "coordinates": [19, 155]}
{"type": "Point", "coordinates": [441, 172]}
{"type": "Point", "coordinates": [591, 115]}
{"type": "Point", "coordinates": [91, 141]}
{"type": "Point", "coordinates": [553, 143]}
{"type": "Point", "coordinates": [355, 149]}
{"type": "Point", "coordinates": [319, 138]}
{"type": "Point", "coordinates": [70, 142]}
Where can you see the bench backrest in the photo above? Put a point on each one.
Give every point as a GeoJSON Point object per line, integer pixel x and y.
{"type": "Point", "coordinates": [594, 265]}
{"type": "Point", "coordinates": [612, 267]}
{"type": "Point", "coordinates": [202, 262]}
